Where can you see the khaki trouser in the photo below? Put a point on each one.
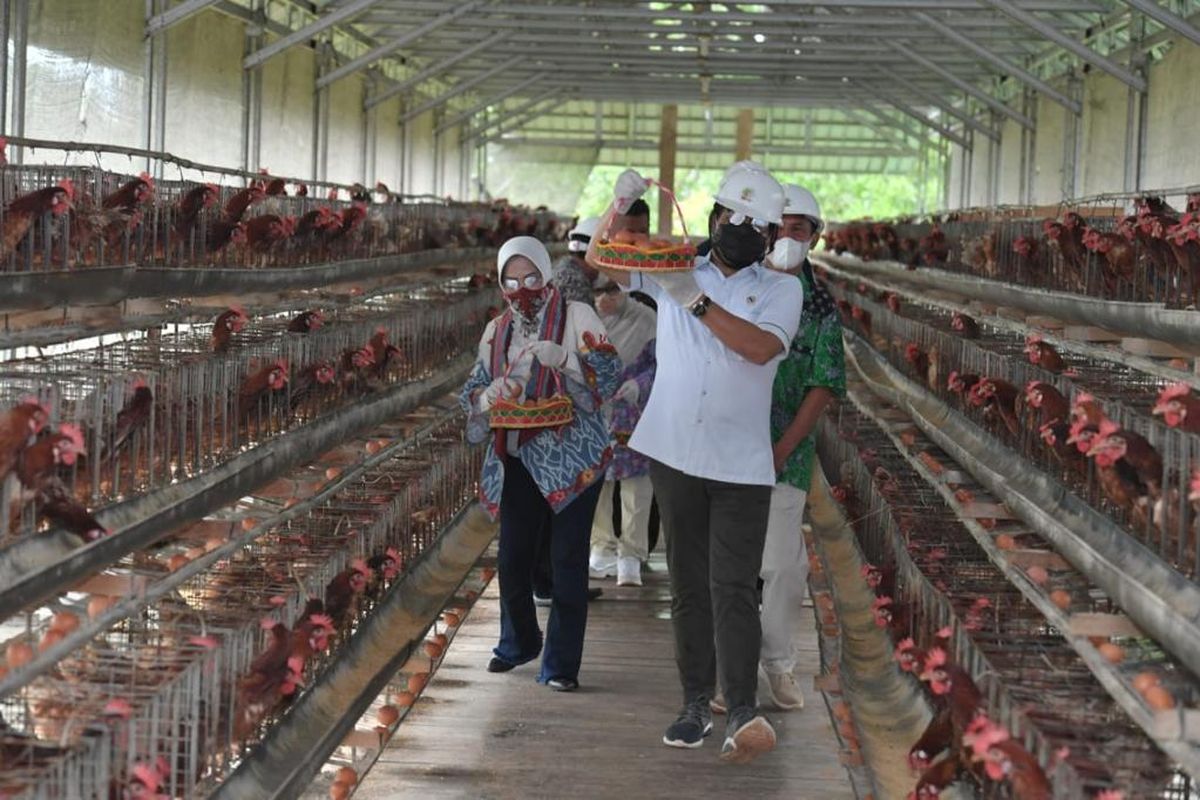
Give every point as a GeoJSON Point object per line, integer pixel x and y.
{"type": "Point", "coordinates": [636, 496]}
{"type": "Point", "coordinates": [785, 576]}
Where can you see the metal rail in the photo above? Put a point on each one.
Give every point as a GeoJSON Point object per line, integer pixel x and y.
{"type": "Point", "coordinates": [1179, 327]}
{"type": "Point", "coordinates": [99, 286]}
{"type": "Point", "coordinates": [888, 710]}
{"type": "Point", "coordinates": [1142, 364]}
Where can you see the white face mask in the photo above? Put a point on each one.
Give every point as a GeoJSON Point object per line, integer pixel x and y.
{"type": "Point", "coordinates": [787, 254]}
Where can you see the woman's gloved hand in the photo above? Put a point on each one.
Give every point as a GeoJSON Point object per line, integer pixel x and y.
{"type": "Point", "coordinates": [628, 392]}
{"type": "Point", "coordinates": [501, 387]}
{"type": "Point", "coordinates": [549, 354]}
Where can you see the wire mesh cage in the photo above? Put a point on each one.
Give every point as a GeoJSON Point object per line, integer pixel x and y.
{"type": "Point", "coordinates": [922, 343]}
{"type": "Point", "coordinates": [72, 217]}
{"type": "Point", "coordinates": [945, 592]}
{"type": "Point", "coordinates": [154, 410]}
{"type": "Point", "coordinates": [175, 694]}
{"type": "Point", "coordinates": [1126, 247]}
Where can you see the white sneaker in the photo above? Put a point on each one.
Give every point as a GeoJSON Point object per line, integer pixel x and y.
{"type": "Point", "coordinates": [601, 566]}
{"type": "Point", "coordinates": [783, 692]}
{"type": "Point", "coordinates": [629, 571]}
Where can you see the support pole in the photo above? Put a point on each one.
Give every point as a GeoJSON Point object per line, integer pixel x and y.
{"type": "Point", "coordinates": [668, 131]}
{"type": "Point", "coordinates": [745, 134]}
{"type": "Point", "coordinates": [5, 17]}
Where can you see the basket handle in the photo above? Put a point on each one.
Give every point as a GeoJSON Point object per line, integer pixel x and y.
{"type": "Point", "coordinates": [664, 188]}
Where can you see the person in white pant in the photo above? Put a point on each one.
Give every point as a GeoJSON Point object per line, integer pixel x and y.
{"type": "Point", "coordinates": [631, 328]}
{"type": "Point", "coordinates": [808, 379]}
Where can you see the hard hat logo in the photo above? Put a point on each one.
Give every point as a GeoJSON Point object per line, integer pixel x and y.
{"type": "Point", "coordinates": [747, 194]}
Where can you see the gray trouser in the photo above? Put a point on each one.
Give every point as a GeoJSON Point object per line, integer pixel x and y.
{"type": "Point", "coordinates": [715, 533]}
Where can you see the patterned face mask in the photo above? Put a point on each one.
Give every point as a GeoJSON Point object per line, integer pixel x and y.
{"type": "Point", "coordinates": [527, 303]}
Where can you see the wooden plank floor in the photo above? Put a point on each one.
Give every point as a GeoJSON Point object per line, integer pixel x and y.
{"type": "Point", "coordinates": [478, 735]}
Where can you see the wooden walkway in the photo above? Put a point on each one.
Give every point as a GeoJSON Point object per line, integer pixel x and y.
{"type": "Point", "coordinates": [478, 735]}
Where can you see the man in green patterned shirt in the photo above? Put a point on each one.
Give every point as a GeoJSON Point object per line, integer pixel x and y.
{"type": "Point", "coordinates": [809, 378]}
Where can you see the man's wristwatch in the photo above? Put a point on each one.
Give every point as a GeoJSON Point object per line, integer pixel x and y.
{"type": "Point", "coordinates": [700, 307]}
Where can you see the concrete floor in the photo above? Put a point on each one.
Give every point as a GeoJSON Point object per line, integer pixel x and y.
{"type": "Point", "coordinates": [478, 735]}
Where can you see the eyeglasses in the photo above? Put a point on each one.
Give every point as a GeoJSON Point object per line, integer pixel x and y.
{"type": "Point", "coordinates": [531, 281]}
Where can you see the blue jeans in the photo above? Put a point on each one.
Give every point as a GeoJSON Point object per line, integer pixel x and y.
{"type": "Point", "coordinates": [523, 511]}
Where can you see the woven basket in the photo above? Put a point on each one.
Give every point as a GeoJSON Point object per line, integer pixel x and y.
{"type": "Point", "coordinates": [632, 258]}
{"type": "Point", "coordinates": [679, 257]}
{"type": "Point", "coordinates": [549, 412]}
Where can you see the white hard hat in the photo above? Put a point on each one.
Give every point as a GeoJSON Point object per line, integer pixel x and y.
{"type": "Point", "coordinates": [798, 201]}
{"type": "Point", "coordinates": [579, 236]}
{"type": "Point", "coordinates": [526, 246]}
{"type": "Point", "coordinates": [749, 189]}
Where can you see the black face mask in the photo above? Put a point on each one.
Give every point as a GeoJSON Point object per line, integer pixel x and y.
{"type": "Point", "coordinates": [738, 246]}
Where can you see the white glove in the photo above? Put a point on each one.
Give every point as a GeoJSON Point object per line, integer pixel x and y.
{"type": "Point", "coordinates": [549, 354]}
{"type": "Point", "coordinates": [628, 392]}
{"type": "Point", "coordinates": [680, 286]}
{"type": "Point", "coordinates": [629, 187]}
{"type": "Point", "coordinates": [501, 387]}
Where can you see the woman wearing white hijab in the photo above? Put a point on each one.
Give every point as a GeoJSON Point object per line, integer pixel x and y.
{"type": "Point", "coordinates": [631, 328]}
{"type": "Point", "coordinates": [542, 475]}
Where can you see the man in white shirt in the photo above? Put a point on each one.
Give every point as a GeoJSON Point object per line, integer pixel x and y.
{"type": "Point", "coordinates": [722, 330]}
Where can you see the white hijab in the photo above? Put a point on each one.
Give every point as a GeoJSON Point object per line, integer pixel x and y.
{"type": "Point", "coordinates": [630, 329]}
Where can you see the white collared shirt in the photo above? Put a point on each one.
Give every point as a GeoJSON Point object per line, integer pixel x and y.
{"type": "Point", "coordinates": [709, 411]}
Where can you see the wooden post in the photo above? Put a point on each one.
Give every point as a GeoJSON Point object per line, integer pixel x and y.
{"type": "Point", "coordinates": [666, 165]}
{"type": "Point", "coordinates": [745, 133]}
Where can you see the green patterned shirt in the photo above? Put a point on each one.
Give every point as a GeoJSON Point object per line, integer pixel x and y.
{"type": "Point", "coordinates": [815, 359]}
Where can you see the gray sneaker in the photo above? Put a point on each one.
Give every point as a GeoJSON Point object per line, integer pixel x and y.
{"type": "Point", "coordinates": [747, 736]}
{"type": "Point", "coordinates": [693, 724]}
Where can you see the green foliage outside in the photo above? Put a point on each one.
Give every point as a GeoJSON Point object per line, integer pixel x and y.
{"type": "Point", "coordinates": [842, 197]}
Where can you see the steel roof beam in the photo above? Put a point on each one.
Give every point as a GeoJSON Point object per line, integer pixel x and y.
{"type": "Point", "coordinates": [321, 23]}
{"type": "Point", "coordinates": [1167, 19]}
{"type": "Point", "coordinates": [917, 116]}
{"type": "Point", "coordinates": [173, 16]}
{"type": "Point", "coordinates": [895, 133]}
{"type": "Point", "coordinates": [530, 116]}
{"type": "Point", "coordinates": [433, 70]}
{"type": "Point", "coordinates": [458, 88]}
{"type": "Point", "coordinates": [385, 50]}
{"type": "Point", "coordinates": [807, 24]}
{"type": "Point", "coordinates": [487, 125]}
{"type": "Point", "coordinates": [1021, 74]}
{"type": "Point", "coordinates": [1066, 42]}
{"type": "Point", "coordinates": [1013, 37]}
{"type": "Point", "coordinates": [646, 144]}
{"type": "Point", "coordinates": [491, 99]}
{"type": "Point", "coordinates": [973, 91]}
{"type": "Point", "coordinates": [932, 99]}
